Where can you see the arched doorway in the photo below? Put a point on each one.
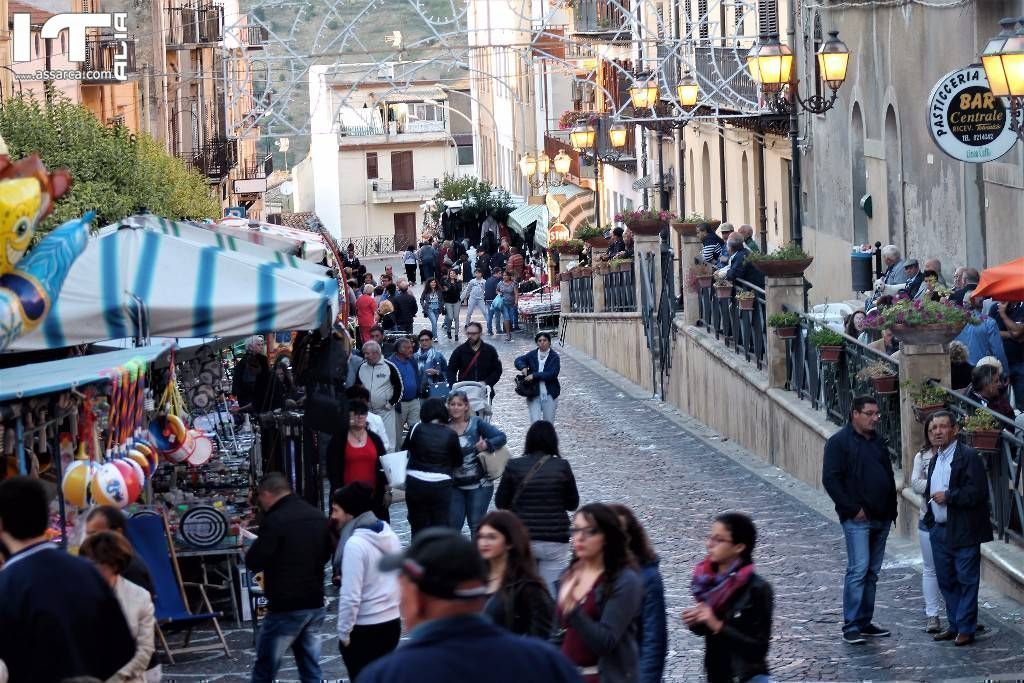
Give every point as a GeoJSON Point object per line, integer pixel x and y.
{"type": "Point", "coordinates": [859, 184]}
{"type": "Point", "coordinates": [894, 180]}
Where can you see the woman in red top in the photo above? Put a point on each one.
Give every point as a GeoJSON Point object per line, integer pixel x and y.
{"type": "Point", "coordinates": [599, 599]}
{"type": "Point", "coordinates": [366, 313]}
{"type": "Point", "coordinates": [355, 456]}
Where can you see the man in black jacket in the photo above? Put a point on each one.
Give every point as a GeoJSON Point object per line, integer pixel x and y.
{"type": "Point", "coordinates": [59, 618]}
{"type": "Point", "coordinates": [857, 474]}
{"type": "Point", "coordinates": [475, 360]}
{"type": "Point", "coordinates": [405, 307]}
{"type": "Point", "coordinates": [293, 546]}
{"type": "Point", "coordinates": [958, 523]}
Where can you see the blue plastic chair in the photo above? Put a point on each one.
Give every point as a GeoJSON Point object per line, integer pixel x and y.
{"type": "Point", "coordinates": [151, 539]}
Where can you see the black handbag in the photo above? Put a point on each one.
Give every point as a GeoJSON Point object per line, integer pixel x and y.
{"type": "Point", "coordinates": [527, 388]}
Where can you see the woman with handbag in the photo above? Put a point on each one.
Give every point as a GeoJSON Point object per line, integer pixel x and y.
{"type": "Point", "coordinates": [540, 489]}
{"type": "Point", "coordinates": [434, 453]}
{"type": "Point", "coordinates": [431, 302]}
{"type": "Point", "coordinates": [433, 368]}
{"type": "Point", "coordinates": [517, 598]}
{"type": "Point", "coordinates": [599, 599]}
{"type": "Point", "coordinates": [355, 456]}
{"type": "Point", "coordinates": [472, 488]}
{"type": "Point", "coordinates": [539, 384]}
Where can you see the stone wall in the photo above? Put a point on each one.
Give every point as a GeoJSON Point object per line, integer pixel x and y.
{"type": "Point", "coordinates": [616, 340]}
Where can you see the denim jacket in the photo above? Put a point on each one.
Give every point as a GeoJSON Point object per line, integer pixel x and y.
{"type": "Point", "coordinates": [494, 437]}
{"type": "Point", "coordinates": [432, 359]}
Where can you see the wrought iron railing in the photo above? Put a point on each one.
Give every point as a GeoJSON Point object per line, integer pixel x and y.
{"type": "Point", "coordinates": [581, 294]}
{"type": "Point", "coordinates": [379, 245]}
{"type": "Point", "coordinates": [830, 386]}
{"type": "Point", "coordinates": [214, 159]}
{"type": "Point", "coordinates": [722, 75]}
{"type": "Point", "coordinates": [380, 186]}
{"type": "Point", "coordinates": [620, 291]}
{"type": "Point", "coordinates": [1004, 466]}
{"type": "Point", "coordinates": [256, 37]}
{"type": "Point", "coordinates": [742, 329]}
{"type": "Point", "coordinates": [603, 19]}
{"type": "Point", "coordinates": [201, 24]}
{"type": "Point", "coordinates": [101, 56]}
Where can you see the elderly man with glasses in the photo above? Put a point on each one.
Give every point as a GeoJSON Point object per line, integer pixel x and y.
{"type": "Point", "coordinates": [857, 474]}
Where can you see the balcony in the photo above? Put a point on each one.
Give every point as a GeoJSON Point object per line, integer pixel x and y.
{"type": "Point", "coordinates": [194, 26]}
{"type": "Point", "coordinates": [393, 192]}
{"type": "Point", "coordinates": [252, 175]}
{"type": "Point", "coordinates": [255, 37]}
{"type": "Point", "coordinates": [108, 60]}
{"type": "Point", "coordinates": [214, 159]}
{"type": "Point", "coordinates": [603, 20]}
{"type": "Point", "coordinates": [548, 41]}
{"type": "Point", "coordinates": [724, 80]}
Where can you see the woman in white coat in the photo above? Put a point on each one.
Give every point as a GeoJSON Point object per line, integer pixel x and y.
{"type": "Point", "coordinates": [111, 554]}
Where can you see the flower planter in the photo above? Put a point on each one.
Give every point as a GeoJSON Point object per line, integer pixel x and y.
{"type": "Point", "coordinates": [586, 272]}
{"type": "Point", "coordinates": [983, 440]}
{"type": "Point", "coordinates": [829, 354]}
{"type": "Point", "coordinates": [623, 267]}
{"type": "Point", "coordinates": [723, 292]}
{"type": "Point", "coordinates": [940, 333]}
{"type": "Point", "coordinates": [646, 226]}
{"type": "Point", "coordinates": [746, 304]}
{"type": "Point", "coordinates": [564, 277]}
{"type": "Point", "coordinates": [783, 268]}
{"type": "Point", "coordinates": [685, 229]}
{"type": "Point", "coordinates": [704, 281]}
{"type": "Point", "coordinates": [921, 413]}
{"type": "Point", "coordinates": [598, 242]}
{"type": "Point", "coordinates": [787, 332]}
{"type": "Point", "coordinates": [886, 385]}
{"type": "Point", "coordinates": [569, 252]}
{"type": "Point", "coordinates": [602, 267]}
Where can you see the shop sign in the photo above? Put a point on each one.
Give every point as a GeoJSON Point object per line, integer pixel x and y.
{"type": "Point", "coordinates": [966, 120]}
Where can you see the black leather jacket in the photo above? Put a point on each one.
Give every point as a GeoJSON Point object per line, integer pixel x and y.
{"type": "Point", "coordinates": [433, 448]}
{"type": "Point", "coordinates": [740, 650]}
{"type": "Point", "coordinates": [547, 499]}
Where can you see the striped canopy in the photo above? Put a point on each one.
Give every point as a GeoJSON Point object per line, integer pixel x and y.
{"type": "Point", "coordinates": [131, 281]}
{"type": "Point", "coordinates": [306, 244]}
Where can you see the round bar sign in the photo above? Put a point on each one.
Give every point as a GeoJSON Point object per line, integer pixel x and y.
{"type": "Point", "coordinates": [966, 120]}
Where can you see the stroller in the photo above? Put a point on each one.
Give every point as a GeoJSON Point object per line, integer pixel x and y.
{"type": "Point", "coordinates": [479, 395]}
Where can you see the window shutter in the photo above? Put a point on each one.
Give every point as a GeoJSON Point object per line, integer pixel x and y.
{"type": "Point", "coordinates": [371, 165]}
{"type": "Point", "coordinates": [767, 17]}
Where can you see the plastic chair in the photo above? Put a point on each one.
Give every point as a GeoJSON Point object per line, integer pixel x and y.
{"type": "Point", "coordinates": [151, 539]}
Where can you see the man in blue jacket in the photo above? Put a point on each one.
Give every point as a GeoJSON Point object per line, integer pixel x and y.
{"type": "Point", "coordinates": [444, 587]}
{"type": "Point", "coordinates": [857, 474]}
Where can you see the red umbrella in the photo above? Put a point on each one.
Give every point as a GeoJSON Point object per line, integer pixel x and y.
{"type": "Point", "coordinates": [1004, 282]}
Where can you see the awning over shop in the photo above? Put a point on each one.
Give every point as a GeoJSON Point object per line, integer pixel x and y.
{"type": "Point", "coordinates": [521, 218]}
{"type": "Point", "coordinates": [35, 379]}
{"type": "Point", "coordinates": [1004, 282]}
{"type": "Point", "coordinates": [133, 281]}
{"type": "Point", "coordinates": [308, 245]}
{"type": "Point", "coordinates": [558, 197]}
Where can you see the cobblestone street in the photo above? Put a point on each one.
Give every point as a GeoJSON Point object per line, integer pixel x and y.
{"type": "Point", "coordinates": [677, 476]}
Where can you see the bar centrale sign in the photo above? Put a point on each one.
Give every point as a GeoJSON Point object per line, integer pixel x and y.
{"type": "Point", "coordinates": [966, 120]}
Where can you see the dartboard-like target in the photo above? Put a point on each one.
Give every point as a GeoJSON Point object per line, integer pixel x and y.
{"type": "Point", "coordinates": [203, 526]}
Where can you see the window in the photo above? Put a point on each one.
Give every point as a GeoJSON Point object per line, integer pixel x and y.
{"type": "Point", "coordinates": [702, 18]}
{"type": "Point", "coordinates": [465, 155]}
{"type": "Point", "coordinates": [767, 17]}
{"type": "Point", "coordinates": [371, 165]}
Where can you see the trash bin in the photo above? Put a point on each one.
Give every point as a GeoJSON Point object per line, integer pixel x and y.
{"type": "Point", "coordinates": [860, 271]}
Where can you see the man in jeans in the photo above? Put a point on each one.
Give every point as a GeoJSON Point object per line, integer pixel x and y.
{"type": "Point", "coordinates": [293, 546]}
{"type": "Point", "coordinates": [857, 474]}
{"type": "Point", "coordinates": [408, 412]}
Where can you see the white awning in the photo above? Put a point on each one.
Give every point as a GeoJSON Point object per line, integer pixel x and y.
{"type": "Point", "coordinates": [520, 219]}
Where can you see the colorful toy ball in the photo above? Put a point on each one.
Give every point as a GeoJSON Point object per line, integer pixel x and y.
{"type": "Point", "coordinates": [136, 479]}
{"type": "Point", "coordinates": [168, 433]}
{"type": "Point", "coordinates": [136, 456]}
{"type": "Point", "coordinates": [75, 485]}
{"type": "Point", "coordinates": [151, 455]}
{"type": "Point", "coordinates": [109, 486]}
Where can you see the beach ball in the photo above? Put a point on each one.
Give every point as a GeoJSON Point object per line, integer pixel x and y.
{"type": "Point", "coordinates": [151, 454]}
{"type": "Point", "coordinates": [168, 433]}
{"type": "Point", "coordinates": [139, 458]}
{"type": "Point", "coordinates": [75, 485]}
{"type": "Point", "coordinates": [108, 485]}
{"type": "Point", "coordinates": [134, 479]}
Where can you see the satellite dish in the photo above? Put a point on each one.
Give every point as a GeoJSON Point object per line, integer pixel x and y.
{"type": "Point", "coordinates": [287, 188]}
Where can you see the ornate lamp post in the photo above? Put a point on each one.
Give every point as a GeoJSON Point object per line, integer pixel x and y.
{"type": "Point", "coordinates": [536, 169]}
{"type": "Point", "coordinates": [584, 138]}
{"type": "Point", "coordinates": [771, 64]}
{"type": "Point", "coordinates": [1003, 60]}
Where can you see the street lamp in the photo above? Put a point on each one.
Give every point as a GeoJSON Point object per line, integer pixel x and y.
{"type": "Point", "coordinates": [1003, 60]}
{"type": "Point", "coordinates": [536, 168]}
{"type": "Point", "coordinates": [527, 165]}
{"type": "Point", "coordinates": [563, 162]}
{"type": "Point", "coordinates": [582, 136]}
{"type": "Point", "coordinates": [644, 95]}
{"type": "Point", "coordinates": [617, 135]}
{"type": "Point", "coordinates": [687, 91]}
{"type": "Point", "coordinates": [770, 63]}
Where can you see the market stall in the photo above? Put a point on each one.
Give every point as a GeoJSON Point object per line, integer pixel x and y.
{"type": "Point", "coordinates": [308, 245]}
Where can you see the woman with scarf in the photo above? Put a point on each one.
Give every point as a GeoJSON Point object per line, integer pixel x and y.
{"type": "Point", "coordinates": [734, 604]}
{"type": "Point", "coordinates": [518, 598]}
{"type": "Point", "coordinates": [712, 247]}
{"type": "Point", "coordinates": [369, 625]}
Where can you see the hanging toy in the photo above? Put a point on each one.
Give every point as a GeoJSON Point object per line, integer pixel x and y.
{"type": "Point", "coordinates": [202, 450]}
{"type": "Point", "coordinates": [169, 432]}
{"type": "Point", "coordinates": [109, 486]}
{"type": "Point", "coordinates": [75, 485]}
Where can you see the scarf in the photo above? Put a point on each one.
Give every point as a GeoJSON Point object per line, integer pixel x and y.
{"type": "Point", "coordinates": [367, 520]}
{"type": "Point", "coordinates": [716, 590]}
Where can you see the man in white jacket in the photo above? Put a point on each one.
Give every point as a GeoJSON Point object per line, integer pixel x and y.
{"type": "Point", "coordinates": [369, 625]}
{"type": "Point", "coordinates": [382, 379]}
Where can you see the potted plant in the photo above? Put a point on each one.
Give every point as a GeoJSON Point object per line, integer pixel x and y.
{"type": "Point", "coordinates": [571, 117]}
{"type": "Point", "coordinates": [787, 261]}
{"type": "Point", "coordinates": [645, 221]}
{"type": "Point", "coordinates": [592, 235]}
{"type": "Point", "coordinates": [723, 288]}
{"type": "Point", "coordinates": [620, 264]}
{"type": "Point", "coordinates": [687, 226]}
{"type": "Point", "coordinates": [564, 276]}
{"type": "Point", "coordinates": [602, 267]}
{"type": "Point", "coordinates": [982, 431]}
{"type": "Point", "coordinates": [786, 325]}
{"type": "Point", "coordinates": [922, 321]}
{"type": "Point", "coordinates": [570, 247]}
{"type": "Point", "coordinates": [745, 298]}
{"type": "Point", "coordinates": [700, 276]}
{"type": "Point", "coordinates": [882, 377]}
{"type": "Point", "coordinates": [927, 399]}
{"type": "Point", "coordinates": [829, 343]}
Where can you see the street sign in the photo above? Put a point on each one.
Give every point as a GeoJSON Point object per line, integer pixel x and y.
{"type": "Point", "coordinates": [234, 212]}
{"type": "Point", "coordinates": [966, 120]}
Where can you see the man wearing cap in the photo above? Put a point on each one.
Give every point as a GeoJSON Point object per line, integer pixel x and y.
{"type": "Point", "coordinates": [723, 259]}
{"type": "Point", "coordinates": [915, 278]}
{"type": "Point", "coordinates": [291, 550]}
{"type": "Point", "coordinates": [443, 582]}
